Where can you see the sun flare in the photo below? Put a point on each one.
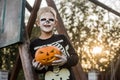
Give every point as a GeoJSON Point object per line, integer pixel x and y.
{"type": "Point", "coordinates": [97, 50]}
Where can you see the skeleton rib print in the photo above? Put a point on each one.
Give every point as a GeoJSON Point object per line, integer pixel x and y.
{"type": "Point", "coordinates": [58, 45]}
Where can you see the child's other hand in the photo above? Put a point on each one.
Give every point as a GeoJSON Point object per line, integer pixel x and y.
{"type": "Point", "coordinates": [37, 65]}
{"type": "Point", "coordinates": [61, 61]}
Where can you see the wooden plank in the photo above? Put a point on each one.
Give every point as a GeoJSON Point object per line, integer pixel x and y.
{"type": "Point", "coordinates": [26, 61]}
{"type": "Point", "coordinates": [23, 49]}
{"type": "Point", "coordinates": [16, 69]}
{"type": "Point", "coordinates": [25, 56]}
{"type": "Point", "coordinates": [18, 65]}
{"type": "Point", "coordinates": [33, 16]}
{"type": "Point", "coordinates": [60, 27]}
{"type": "Point", "coordinates": [11, 21]}
{"type": "Point", "coordinates": [79, 74]}
{"type": "Point", "coordinates": [105, 7]}
{"type": "Point", "coordinates": [28, 6]}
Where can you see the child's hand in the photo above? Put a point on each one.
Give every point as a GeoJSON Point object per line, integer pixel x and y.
{"type": "Point", "coordinates": [37, 65]}
{"type": "Point", "coordinates": [62, 60]}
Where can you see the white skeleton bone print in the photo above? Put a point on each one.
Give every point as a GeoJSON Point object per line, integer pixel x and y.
{"type": "Point", "coordinates": [63, 74]}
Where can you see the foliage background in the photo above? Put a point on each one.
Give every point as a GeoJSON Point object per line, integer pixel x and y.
{"type": "Point", "coordinates": [88, 25]}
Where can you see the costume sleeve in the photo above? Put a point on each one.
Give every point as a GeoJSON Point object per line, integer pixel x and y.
{"type": "Point", "coordinates": [72, 59]}
{"type": "Point", "coordinates": [31, 49]}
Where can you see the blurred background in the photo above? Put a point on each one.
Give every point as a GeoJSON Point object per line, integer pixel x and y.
{"type": "Point", "coordinates": [94, 32]}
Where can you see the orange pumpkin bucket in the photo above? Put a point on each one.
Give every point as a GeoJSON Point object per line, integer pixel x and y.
{"type": "Point", "coordinates": [46, 55]}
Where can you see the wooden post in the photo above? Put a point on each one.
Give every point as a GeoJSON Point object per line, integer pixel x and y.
{"type": "Point", "coordinates": [60, 26]}
{"type": "Point", "coordinates": [16, 69]}
{"type": "Point", "coordinates": [24, 48]}
{"type": "Point", "coordinates": [97, 2]}
{"type": "Point", "coordinates": [33, 16]}
{"type": "Point", "coordinates": [26, 61]}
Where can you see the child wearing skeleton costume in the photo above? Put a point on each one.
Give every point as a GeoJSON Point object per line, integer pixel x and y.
{"type": "Point", "coordinates": [60, 69]}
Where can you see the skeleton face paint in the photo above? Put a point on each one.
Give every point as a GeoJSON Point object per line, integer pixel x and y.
{"type": "Point", "coordinates": [47, 22]}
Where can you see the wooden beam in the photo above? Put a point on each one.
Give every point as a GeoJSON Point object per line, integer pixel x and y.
{"type": "Point", "coordinates": [16, 69]}
{"type": "Point", "coordinates": [25, 56]}
{"type": "Point", "coordinates": [26, 61]}
{"type": "Point", "coordinates": [60, 26]}
{"type": "Point", "coordinates": [28, 7]}
{"type": "Point", "coordinates": [79, 74]}
{"type": "Point", "coordinates": [18, 65]}
{"type": "Point", "coordinates": [105, 7]}
{"type": "Point", "coordinates": [33, 16]}
{"type": "Point", "coordinates": [116, 67]}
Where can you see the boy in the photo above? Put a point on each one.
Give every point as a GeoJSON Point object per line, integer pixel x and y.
{"type": "Point", "coordinates": [59, 69]}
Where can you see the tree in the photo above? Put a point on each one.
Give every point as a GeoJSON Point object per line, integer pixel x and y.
{"type": "Point", "coordinates": [90, 26]}
{"type": "Point", "coordinates": [8, 56]}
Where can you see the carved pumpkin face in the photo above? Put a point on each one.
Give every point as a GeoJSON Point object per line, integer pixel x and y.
{"type": "Point", "coordinates": [45, 55]}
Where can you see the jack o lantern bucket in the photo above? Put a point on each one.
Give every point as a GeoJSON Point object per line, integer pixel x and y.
{"type": "Point", "coordinates": [46, 55]}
